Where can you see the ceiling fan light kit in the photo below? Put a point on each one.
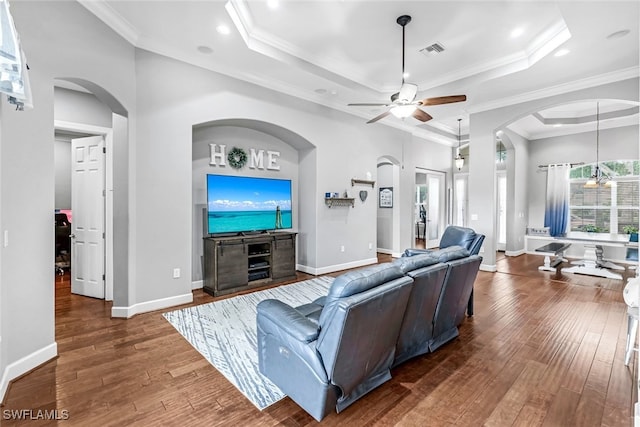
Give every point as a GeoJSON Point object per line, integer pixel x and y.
{"type": "Point", "coordinates": [403, 103]}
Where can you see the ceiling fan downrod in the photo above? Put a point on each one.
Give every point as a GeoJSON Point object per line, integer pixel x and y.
{"type": "Point", "coordinates": [403, 21]}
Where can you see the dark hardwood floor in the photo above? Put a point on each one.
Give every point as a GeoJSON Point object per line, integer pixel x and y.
{"type": "Point", "coordinates": [543, 349]}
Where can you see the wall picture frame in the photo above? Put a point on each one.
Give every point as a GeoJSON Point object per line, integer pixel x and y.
{"type": "Point", "coordinates": [385, 197]}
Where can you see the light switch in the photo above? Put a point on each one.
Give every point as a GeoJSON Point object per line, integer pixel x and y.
{"type": "Point", "coordinates": [474, 217]}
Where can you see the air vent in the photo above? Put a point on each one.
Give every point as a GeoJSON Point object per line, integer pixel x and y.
{"type": "Point", "coordinates": [433, 49]}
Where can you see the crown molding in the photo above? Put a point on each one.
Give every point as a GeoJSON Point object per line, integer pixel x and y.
{"type": "Point", "coordinates": [612, 77]}
{"type": "Point", "coordinates": [113, 19]}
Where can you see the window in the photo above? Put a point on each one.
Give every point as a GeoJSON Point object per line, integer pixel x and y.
{"type": "Point", "coordinates": [605, 209]}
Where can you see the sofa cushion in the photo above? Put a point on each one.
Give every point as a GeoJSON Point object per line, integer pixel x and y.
{"type": "Point", "coordinates": [449, 254]}
{"type": "Point", "coordinates": [363, 279]}
{"type": "Point", "coordinates": [407, 264]}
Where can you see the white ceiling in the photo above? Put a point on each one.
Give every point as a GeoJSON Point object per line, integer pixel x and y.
{"type": "Point", "coordinates": [335, 52]}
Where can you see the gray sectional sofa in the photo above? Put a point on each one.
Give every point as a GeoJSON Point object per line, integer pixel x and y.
{"type": "Point", "coordinates": [329, 353]}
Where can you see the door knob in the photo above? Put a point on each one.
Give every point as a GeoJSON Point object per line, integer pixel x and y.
{"type": "Point", "coordinates": [72, 236]}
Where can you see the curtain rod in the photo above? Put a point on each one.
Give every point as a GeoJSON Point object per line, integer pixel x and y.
{"type": "Point", "coordinates": [558, 164]}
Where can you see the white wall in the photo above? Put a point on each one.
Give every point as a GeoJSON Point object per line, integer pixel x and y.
{"type": "Point", "coordinates": [245, 138]}
{"type": "Point", "coordinates": [615, 144]}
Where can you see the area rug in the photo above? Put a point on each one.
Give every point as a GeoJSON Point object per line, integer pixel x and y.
{"type": "Point", "coordinates": [224, 332]}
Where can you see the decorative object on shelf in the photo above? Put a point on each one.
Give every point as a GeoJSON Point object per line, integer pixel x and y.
{"type": "Point", "coordinates": [237, 158]}
{"type": "Point", "coordinates": [598, 178]}
{"type": "Point", "coordinates": [355, 181]}
{"type": "Point", "coordinates": [363, 195]}
{"type": "Point", "coordinates": [459, 159]}
{"type": "Point", "coordinates": [339, 201]}
{"type": "Point", "coordinates": [385, 197]}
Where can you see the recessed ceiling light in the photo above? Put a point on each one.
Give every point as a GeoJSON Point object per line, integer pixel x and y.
{"type": "Point", "coordinates": [320, 91]}
{"type": "Point", "coordinates": [205, 49]}
{"type": "Point", "coordinates": [517, 32]}
{"type": "Point", "coordinates": [223, 29]}
{"type": "Point", "coordinates": [618, 34]}
{"type": "Point", "coordinates": [561, 52]}
{"type": "Point", "coordinates": [334, 92]}
{"type": "Point", "coordinates": [273, 4]}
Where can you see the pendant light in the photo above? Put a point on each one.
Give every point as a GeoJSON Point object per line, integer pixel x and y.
{"type": "Point", "coordinates": [459, 159]}
{"type": "Point", "coordinates": [598, 178]}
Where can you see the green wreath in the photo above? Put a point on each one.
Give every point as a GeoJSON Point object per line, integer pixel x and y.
{"type": "Point", "coordinates": [237, 158]}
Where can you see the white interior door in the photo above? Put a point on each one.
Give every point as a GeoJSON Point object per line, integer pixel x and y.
{"type": "Point", "coordinates": [87, 227]}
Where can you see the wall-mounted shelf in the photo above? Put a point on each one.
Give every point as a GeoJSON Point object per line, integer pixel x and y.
{"type": "Point", "coordinates": [355, 181]}
{"type": "Point", "coordinates": [339, 201]}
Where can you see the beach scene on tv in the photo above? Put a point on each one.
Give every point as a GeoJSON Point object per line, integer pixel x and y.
{"type": "Point", "coordinates": [244, 204]}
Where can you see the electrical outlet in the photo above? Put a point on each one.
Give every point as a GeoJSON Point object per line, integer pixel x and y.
{"type": "Point", "coordinates": [176, 273]}
{"type": "Point", "coordinates": [341, 248]}
{"type": "Point", "coordinates": [370, 245]}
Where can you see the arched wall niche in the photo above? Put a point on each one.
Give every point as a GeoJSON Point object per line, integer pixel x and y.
{"type": "Point", "coordinates": [296, 161]}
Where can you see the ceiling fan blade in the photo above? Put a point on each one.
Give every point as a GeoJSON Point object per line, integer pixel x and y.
{"type": "Point", "coordinates": [379, 116]}
{"type": "Point", "coordinates": [421, 115]}
{"type": "Point", "coordinates": [444, 100]}
{"type": "Point", "coordinates": [368, 105]}
{"type": "Point", "coordinates": [407, 92]}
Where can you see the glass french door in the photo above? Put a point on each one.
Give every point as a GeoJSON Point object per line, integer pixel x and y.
{"type": "Point", "coordinates": [430, 206]}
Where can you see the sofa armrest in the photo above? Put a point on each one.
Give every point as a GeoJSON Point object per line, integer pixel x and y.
{"type": "Point", "coordinates": [415, 251]}
{"type": "Point", "coordinates": [277, 318]}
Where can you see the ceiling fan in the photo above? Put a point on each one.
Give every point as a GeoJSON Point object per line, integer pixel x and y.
{"type": "Point", "coordinates": [403, 103]}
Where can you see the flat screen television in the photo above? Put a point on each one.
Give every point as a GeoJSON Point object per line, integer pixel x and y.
{"type": "Point", "coordinates": [238, 204]}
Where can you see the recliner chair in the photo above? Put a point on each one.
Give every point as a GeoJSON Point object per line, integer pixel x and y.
{"type": "Point", "coordinates": [331, 360]}
{"type": "Point", "coordinates": [455, 235]}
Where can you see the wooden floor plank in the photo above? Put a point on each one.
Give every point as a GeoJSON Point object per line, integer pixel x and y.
{"type": "Point", "coordinates": [543, 349]}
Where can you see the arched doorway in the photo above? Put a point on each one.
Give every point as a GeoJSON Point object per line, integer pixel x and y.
{"type": "Point", "coordinates": [82, 109]}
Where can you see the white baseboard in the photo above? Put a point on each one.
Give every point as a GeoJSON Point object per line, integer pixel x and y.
{"type": "Point", "coordinates": [515, 253]}
{"type": "Point", "coordinates": [144, 307]}
{"type": "Point", "coordinates": [336, 267]}
{"type": "Point", "coordinates": [389, 252]}
{"type": "Point", "coordinates": [198, 284]}
{"type": "Point", "coordinates": [489, 268]}
{"type": "Point", "coordinates": [26, 364]}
